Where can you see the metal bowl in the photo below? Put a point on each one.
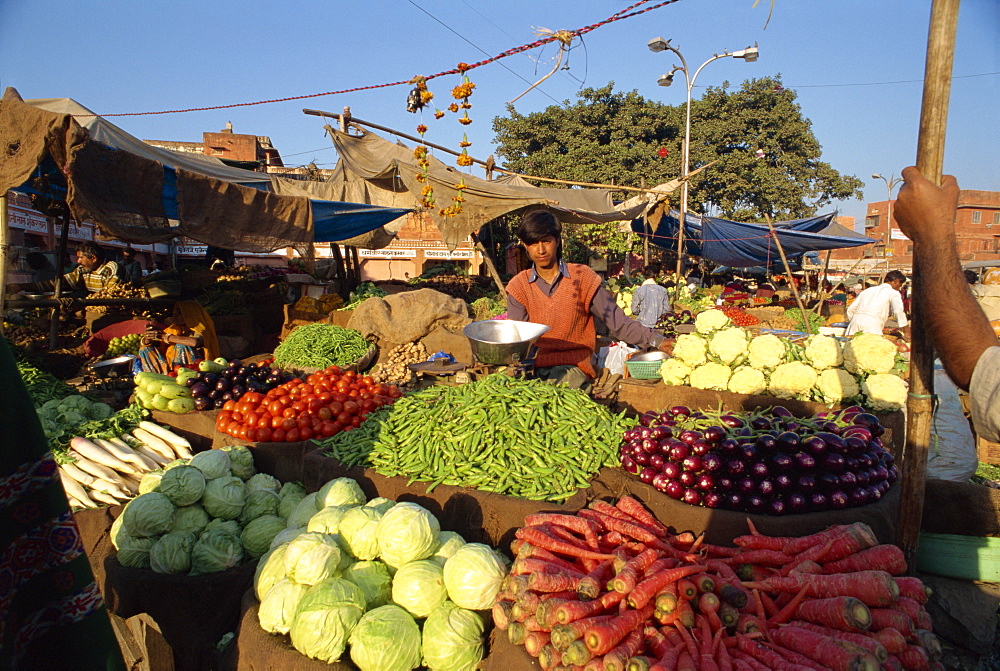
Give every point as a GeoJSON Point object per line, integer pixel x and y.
{"type": "Point", "coordinates": [40, 296]}
{"type": "Point", "coordinates": [499, 342]}
{"type": "Point", "coordinates": [649, 356]}
{"type": "Point", "coordinates": [120, 366]}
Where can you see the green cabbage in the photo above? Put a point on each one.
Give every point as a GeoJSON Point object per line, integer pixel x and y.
{"type": "Point", "coordinates": [288, 502]}
{"type": "Point", "coordinates": [373, 579]}
{"type": "Point", "coordinates": [291, 488]}
{"type": "Point", "coordinates": [191, 518]}
{"type": "Point", "coordinates": [450, 542]}
{"type": "Point", "coordinates": [134, 552]}
{"type": "Point", "coordinates": [452, 639]}
{"type": "Point", "coordinates": [148, 515]}
{"type": "Point", "coordinates": [175, 463]}
{"type": "Point", "coordinates": [277, 608]}
{"type": "Point", "coordinates": [215, 550]}
{"type": "Point", "coordinates": [312, 558]}
{"type": "Point", "coordinates": [223, 497]}
{"type": "Point", "coordinates": [304, 509]}
{"type": "Point", "coordinates": [407, 532]}
{"type": "Point", "coordinates": [358, 529]}
{"type": "Point", "coordinates": [341, 492]}
{"type": "Point", "coordinates": [171, 553]}
{"type": "Point", "coordinates": [118, 530]}
{"type": "Point", "coordinates": [473, 576]}
{"type": "Point", "coordinates": [258, 534]}
{"type": "Point", "coordinates": [259, 502]}
{"type": "Point", "coordinates": [183, 485]}
{"type": "Point", "coordinates": [265, 482]}
{"type": "Point", "coordinates": [326, 615]}
{"type": "Point", "coordinates": [386, 639]}
{"type": "Point", "coordinates": [231, 527]}
{"type": "Point", "coordinates": [380, 504]}
{"type": "Point", "coordinates": [418, 586]}
{"type": "Point", "coordinates": [213, 463]}
{"type": "Point", "coordinates": [270, 569]}
{"type": "Point", "coordinates": [150, 481]}
{"type": "Point", "coordinates": [285, 535]}
{"type": "Point", "coordinates": [240, 461]}
{"type": "Point", "coordinates": [327, 520]}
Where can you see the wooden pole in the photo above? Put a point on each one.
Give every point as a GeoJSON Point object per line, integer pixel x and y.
{"type": "Point", "coordinates": [791, 280]}
{"type": "Point", "coordinates": [930, 162]}
{"type": "Point", "coordinates": [60, 270]}
{"type": "Point", "coordinates": [488, 260]}
{"type": "Point", "coordinates": [3, 255]}
{"type": "Point", "coordinates": [823, 295]}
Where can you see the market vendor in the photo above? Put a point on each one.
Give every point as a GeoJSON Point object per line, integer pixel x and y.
{"type": "Point", "coordinates": [91, 274]}
{"type": "Point", "coordinates": [190, 336]}
{"type": "Point", "coordinates": [868, 314]}
{"type": "Point", "coordinates": [567, 297]}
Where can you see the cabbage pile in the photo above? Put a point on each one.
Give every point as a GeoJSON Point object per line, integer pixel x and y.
{"type": "Point", "coordinates": [864, 369]}
{"type": "Point", "coordinates": [203, 515]}
{"type": "Point", "coordinates": [377, 580]}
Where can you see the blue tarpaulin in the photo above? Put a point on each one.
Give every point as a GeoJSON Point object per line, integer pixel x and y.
{"type": "Point", "coordinates": [740, 245]}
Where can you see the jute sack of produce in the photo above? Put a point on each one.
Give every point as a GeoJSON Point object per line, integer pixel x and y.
{"type": "Point", "coordinates": [409, 316]}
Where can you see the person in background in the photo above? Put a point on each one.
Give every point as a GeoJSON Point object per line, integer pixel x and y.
{"type": "Point", "coordinates": [839, 293]}
{"type": "Point", "coordinates": [567, 297]}
{"type": "Point", "coordinates": [130, 270]}
{"type": "Point", "coordinates": [650, 300]}
{"type": "Point", "coordinates": [41, 268]}
{"type": "Point", "coordinates": [92, 274]}
{"type": "Point", "coordinates": [962, 335]}
{"type": "Point", "coordinates": [870, 311]}
{"type": "Point", "coordinates": [190, 336]}
{"type": "Point", "coordinates": [971, 277]}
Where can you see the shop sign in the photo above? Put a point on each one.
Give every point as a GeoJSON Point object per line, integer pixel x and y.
{"type": "Point", "coordinates": [192, 250]}
{"type": "Point", "coordinates": [75, 232]}
{"type": "Point", "coordinates": [27, 220]}
{"type": "Point", "coordinates": [445, 254]}
{"type": "Point", "coordinates": [896, 234]}
{"type": "Point", "coordinates": [387, 253]}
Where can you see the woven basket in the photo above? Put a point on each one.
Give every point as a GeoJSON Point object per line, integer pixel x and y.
{"type": "Point", "coordinates": [643, 370]}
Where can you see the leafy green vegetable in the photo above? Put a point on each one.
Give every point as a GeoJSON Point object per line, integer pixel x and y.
{"type": "Point", "coordinates": [473, 576]}
{"type": "Point", "coordinates": [320, 345]}
{"type": "Point", "coordinates": [386, 639]}
{"type": "Point", "coordinates": [452, 639]}
{"type": "Point", "coordinates": [277, 608]}
{"type": "Point", "coordinates": [171, 553]}
{"type": "Point", "coordinates": [407, 532]}
{"type": "Point", "coordinates": [326, 615]}
{"type": "Point", "coordinates": [418, 586]}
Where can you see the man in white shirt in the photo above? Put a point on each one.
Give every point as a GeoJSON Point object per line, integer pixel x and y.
{"type": "Point", "coordinates": [870, 311]}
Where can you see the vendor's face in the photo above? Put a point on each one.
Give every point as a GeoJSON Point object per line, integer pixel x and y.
{"type": "Point", "coordinates": [87, 261]}
{"type": "Point", "coordinates": [543, 253]}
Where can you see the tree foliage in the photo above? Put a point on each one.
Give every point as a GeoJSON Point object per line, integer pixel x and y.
{"type": "Point", "coordinates": [621, 138]}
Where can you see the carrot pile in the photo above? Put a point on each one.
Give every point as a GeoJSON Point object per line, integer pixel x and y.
{"type": "Point", "coordinates": [612, 589]}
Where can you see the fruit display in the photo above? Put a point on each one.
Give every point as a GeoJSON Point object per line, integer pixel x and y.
{"type": "Point", "coordinates": [126, 344]}
{"type": "Point", "coordinates": [763, 462]}
{"type": "Point", "coordinates": [624, 301]}
{"type": "Point", "coordinates": [219, 381]}
{"type": "Point", "coordinates": [739, 316]}
{"type": "Point", "coordinates": [155, 391]}
{"type": "Point", "coordinates": [669, 321]}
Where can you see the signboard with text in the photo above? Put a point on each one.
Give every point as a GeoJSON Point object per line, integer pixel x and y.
{"type": "Point", "coordinates": [387, 253]}
{"type": "Point", "coordinates": [445, 254]}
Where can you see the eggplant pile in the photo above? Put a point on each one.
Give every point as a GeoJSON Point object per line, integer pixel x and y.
{"type": "Point", "coordinates": [669, 321]}
{"type": "Point", "coordinates": [766, 462]}
{"type": "Point", "coordinates": [211, 390]}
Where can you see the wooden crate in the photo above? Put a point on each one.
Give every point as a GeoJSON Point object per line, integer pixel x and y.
{"type": "Point", "coordinates": [986, 451]}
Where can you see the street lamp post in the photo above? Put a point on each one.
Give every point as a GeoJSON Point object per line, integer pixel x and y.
{"type": "Point", "coordinates": [890, 184]}
{"type": "Point", "coordinates": [656, 45]}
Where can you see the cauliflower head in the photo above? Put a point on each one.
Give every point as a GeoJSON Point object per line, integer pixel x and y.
{"type": "Point", "coordinates": [792, 380]}
{"type": "Point", "coordinates": [884, 391]}
{"type": "Point", "coordinates": [674, 372]}
{"type": "Point", "coordinates": [823, 352]}
{"type": "Point", "coordinates": [869, 353]}
{"type": "Point", "coordinates": [836, 385]}
{"type": "Point", "coordinates": [710, 320]}
{"type": "Point", "coordinates": [747, 380]}
{"type": "Point", "coordinates": [729, 344]}
{"type": "Point", "coordinates": [692, 349]}
{"type": "Point", "coordinates": [711, 376]}
{"type": "Point", "coordinates": [767, 351]}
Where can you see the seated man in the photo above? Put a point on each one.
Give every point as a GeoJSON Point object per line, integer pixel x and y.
{"type": "Point", "coordinates": [92, 274]}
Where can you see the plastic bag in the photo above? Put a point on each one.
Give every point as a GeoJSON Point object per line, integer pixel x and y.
{"type": "Point", "coordinates": [613, 357]}
{"type": "Point", "coordinates": [952, 454]}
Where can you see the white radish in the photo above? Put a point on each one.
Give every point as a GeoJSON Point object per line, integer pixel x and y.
{"type": "Point", "coordinates": [131, 486]}
{"type": "Point", "coordinates": [81, 476]}
{"type": "Point", "coordinates": [103, 498]}
{"type": "Point", "coordinates": [101, 456]}
{"type": "Point", "coordinates": [73, 488]}
{"type": "Point", "coordinates": [99, 470]}
{"type": "Point", "coordinates": [109, 488]}
{"type": "Point", "coordinates": [179, 444]}
{"type": "Point", "coordinates": [122, 452]}
{"type": "Point", "coordinates": [152, 455]}
{"type": "Point", "coordinates": [74, 503]}
{"type": "Point", "coordinates": [148, 463]}
{"type": "Point", "coordinates": [154, 443]}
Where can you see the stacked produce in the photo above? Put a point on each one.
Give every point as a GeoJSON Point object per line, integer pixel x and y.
{"type": "Point", "coordinates": [669, 321]}
{"type": "Point", "coordinates": [109, 469]}
{"type": "Point", "coordinates": [325, 404]}
{"type": "Point", "coordinates": [763, 462]}
{"type": "Point", "coordinates": [739, 316]}
{"type": "Point", "coordinates": [42, 386]}
{"type": "Point", "coordinates": [126, 344]}
{"type": "Point", "coordinates": [323, 305]}
{"type": "Point", "coordinates": [319, 346]}
{"type": "Point", "coordinates": [611, 588]}
{"type": "Point", "coordinates": [364, 291]}
{"type": "Point", "coordinates": [217, 382]}
{"type": "Point", "coordinates": [117, 290]}
{"type": "Point", "coordinates": [245, 272]}
{"type": "Point", "coordinates": [518, 437]}
{"type": "Point", "coordinates": [203, 515]}
{"type": "Point", "coordinates": [163, 392]}
{"type": "Point", "coordinates": [351, 572]}
{"type": "Point", "coordinates": [624, 300]}
{"type": "Point", "coordinates": [393, 366]}
{"type": "Point", "coordinates": [719, 356]}
{"type": "Point", "coordinates": [218, 301]}
{"type": "Point", "coordinates": [795, 314]}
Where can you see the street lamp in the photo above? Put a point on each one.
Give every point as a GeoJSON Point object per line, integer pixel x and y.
{"type": "Point", "coordinates": [889, 184]}
{"type": "Point", "coordinates": [656, 45]}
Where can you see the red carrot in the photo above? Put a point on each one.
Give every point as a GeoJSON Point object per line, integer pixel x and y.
{"type": "Point", "coordinates": [548, 657]}
{"type": "Point", "coordinates": [761, 542]}
{"type": "Point", "coordinates": [685, 662]}
{"type": "Point", "coordinates": [893, 641]}
{"type": "Point", "coordinates": [841, 612]}
{"type": "Point", "coordinates": [888, 558]}
{"type": "Point", "coordinates": [721, 652]}
{"type": "Point", "coordinates": [602, 637]}
{"type": "Point", "coordinates": [873, 588]}
{"type": "Point", "coordinates": [930, 644]}
{"type": "Point", "coordinates": [655, 641]}
{"type": "Point", "coordinates": [771, 659]}
{"type": "Point", "coordinates": [770, 608]}
{"type": "Point", "coordinates": [723, 570]}
{"type": "Point", "coordinates": [866, 641]}
{"type": "Point", "coordinates": [915, 658]}
{"type": "Point", "coordinates": [689, 645]}
{"type": "Point", "coordinates": [708, 604]}
{"type": "Point", "coordinates": [534, 641]}
{"type": "Point", "coordinates": [515, 546]}
{"type": "Point", "coordinates": [807, 559]}
{"type": "Point", "coordinates": [893, 664]}
{"type": "Point", "coordinates": [577, 654]}
{"type": "Point", "coordinates": [924, 621]}
{"type": "Point", "coordinates": [913, 588]}
{"type": "Point", "coordinates": [502, 614]}
{"type": "Point", "coordinates": [617, 658]}
{"type": "Point", "coordinates": [761, 557]}
{"type": "Point", "coordinates": [910, 607]}
{"type": "Point", "coordinates": [684, 613]}
{"type": "Point", "coordinates": [645, 590]}
{"type": "Point", "coordinates": [633, 508]}
{"type": "Point", "coordinates": [590, 585]}
{"type": "Point", "coordinates": [537, 537]}
{"type": "Point", "coordinates": [627, 578]}
{"type": "Point", "coordinates": [596, 664]}
{"type": "Point", "coordinates": [838, 655]}
{"type": "Point", "coordinates": [550, 582]}
{"type": "Point", "coordinates": [728, 614]}
{"type": "Point", "coordinates": [859, 530]}
{"type": "Point", "coordinates": [576, 610]}
{"type": "Point", "coordinates": [564, 634]}
{"type": "Point", "coordinates": [575, 523]}
{"type": "Point", "coordinates": [529, 565]}
{"type": "Point", "coordinates": [704, 582]}
{"type": "Point", "coordinates": [785, 614]}
{"type": "Point", "coordinates": [686, 589]}
{"type": "Point", "coordinates": [516, 632]}
{"type": "Point", "coordinates": [807, 567]}
{"type": "Point", "coordinates": [750, 623]}
{"type": "Point", "coordinates": [529, 550]}
{"type": "Point", "coordinates": [799, 661]}
{"type": "Point", "coordinates": [603, 506]}
{"type": "Point", "coordinates": [666, 598]}
{"type": "Point", "coordinates": [852, 539]}
{"type": "Point", "coordinates": [706, 659]}
{"type": "Point", "coordinates": [888, 617]}
{"type": "Point", "coordinates": [633, 530]}
{"type": "Point", "coordinates": [717, 551]}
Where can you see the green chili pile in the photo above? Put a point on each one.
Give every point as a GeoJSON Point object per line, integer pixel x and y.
{"type": "Point", "coordinates": [319, 346]}
{"type": "Point", "coordinates": [524, 438]}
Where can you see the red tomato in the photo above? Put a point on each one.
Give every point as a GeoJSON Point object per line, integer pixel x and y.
{"type": "Point", "coordinates": [237, 416]}
{"type": "Point", "coordinates": [344, 418]}
{"type": "Point", "coordinates": [394, 392]}
{"type": "Point", "coordinates": [305, 433]}
{"type": "Point", "coordinates": [367, 405]}
{"type": "Point", "coordinates": [289, 412]}
{"type": "Point", "coordinates": [229, 405]}
{"type": "Point", "coordinates": [264, 434]}
{"type": "Point", "coordinates": [303, 422]}
{"type": "Point", "coordinates": [326, 397]}
{"type": "Point", "coordinates": [225, 415]}
{"type": "Point", "coordinates": [340, 397]}
{"type": "Point", "coordinates": [251, 435]}
{"type": "Point", "coordinates": [278, 436]}
{"type": "Point", "coordinates": [292, 436]}
{"type": "Point", "coordinates": [379, 401]}
{"type": "Point", "coordinates": [333, 370]}
{"type": "Point", "coordinates": [337, 407]}
{"type": "Point", "coordinates": [324, 413]}
{"type": "Point", "coordinates": [350, 374]}
{"type": "Point", "coordinates": [265, 421]}
{"type": "Point", "coordinates": [351, 408]}
{"type": "Point", "coordinates": [337, 427]}
{"type": "Point", "coordinates": [306, 389]}
{"type": "Point", "coordinates": [368, 380]}
{"type": "Point", "coordinates": [315, 404]}
{"type": "Point", "coordinates": [299, 406]}
{"type": "Point", "coordinates": [354, 393]}
{"type": "Point", "coordinates": [274, 408]}
{"type": "Point", "coordinates": [277, 422]}
{"type": "Point", "coordinates": [356, 422]}
{"type": "Point", "coordinates": [366, 395]}
{"type": "Point", "coordinates": [288, 424]}
{"type": "Point", "coordinates": [251, 419]}
{"type": "Point", "coordinates": [327, 429]}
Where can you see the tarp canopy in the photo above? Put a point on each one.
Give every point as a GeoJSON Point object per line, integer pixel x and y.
{"type": "Point", "coordinates": [138, 193]}
{"type": "Point", "coordinates": [374, 170]}
{"type": "Point", "coordinates": [741, 245]}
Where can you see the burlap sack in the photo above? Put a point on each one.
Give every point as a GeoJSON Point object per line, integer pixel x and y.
{"type": "Point", "coordinates": [409, 316]}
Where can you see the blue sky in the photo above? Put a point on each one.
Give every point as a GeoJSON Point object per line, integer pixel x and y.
{"type": "Point", "coordinates": [856, 65]}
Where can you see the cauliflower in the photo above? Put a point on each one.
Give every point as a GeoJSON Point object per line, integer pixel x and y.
{"type": "Point", "coordinates": [823, 352]}
{"type": "Point", "coordinates": [710, 376]}
{"type": "Point", "coordinates": [730, 345]}
{"type": "Point", "coordinates": [792, 380]}
{"type": "Point", "coordinates": [836, 385]}
{"type": "Point", "coordinates": [767, 351]}
{"type": "Point", "coordinates": [869, 353]}
{"type": "Point", "coordinates": [710, 320]}
{"type": "Point", "coordinates": [691, 349]}
{"type": "Point", "coordinates": [674, 372]}
{"type": "Point", "coordinates": [747, 380]}
{"type": "Point", "coordinates": [884, 391]}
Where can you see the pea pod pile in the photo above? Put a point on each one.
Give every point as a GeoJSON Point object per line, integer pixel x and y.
{"type": "Point", "coordinates": [522, 438]}
{"type": "Point", "coordinates": [319, 346]}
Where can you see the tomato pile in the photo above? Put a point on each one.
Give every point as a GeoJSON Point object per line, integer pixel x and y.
{"type": "Point", "coordinates": [739, 316]}
{"type": "Point", "coordinates": [326, 403]}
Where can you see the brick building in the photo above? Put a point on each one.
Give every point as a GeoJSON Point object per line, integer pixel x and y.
{"type": "Point", "coordinates": [250, 152]}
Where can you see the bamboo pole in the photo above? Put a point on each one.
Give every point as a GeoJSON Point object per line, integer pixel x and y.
{"type": "Point", "coordinates": [788, 271]}
{"type": "Point", "coordinates": [60, 270]}
{"type": "Point", "coordinates": [930, 161]}
{"type": "Point", "coordinates": [488, 260]}
{"type": "Point", "coordinates": [4, 233]}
